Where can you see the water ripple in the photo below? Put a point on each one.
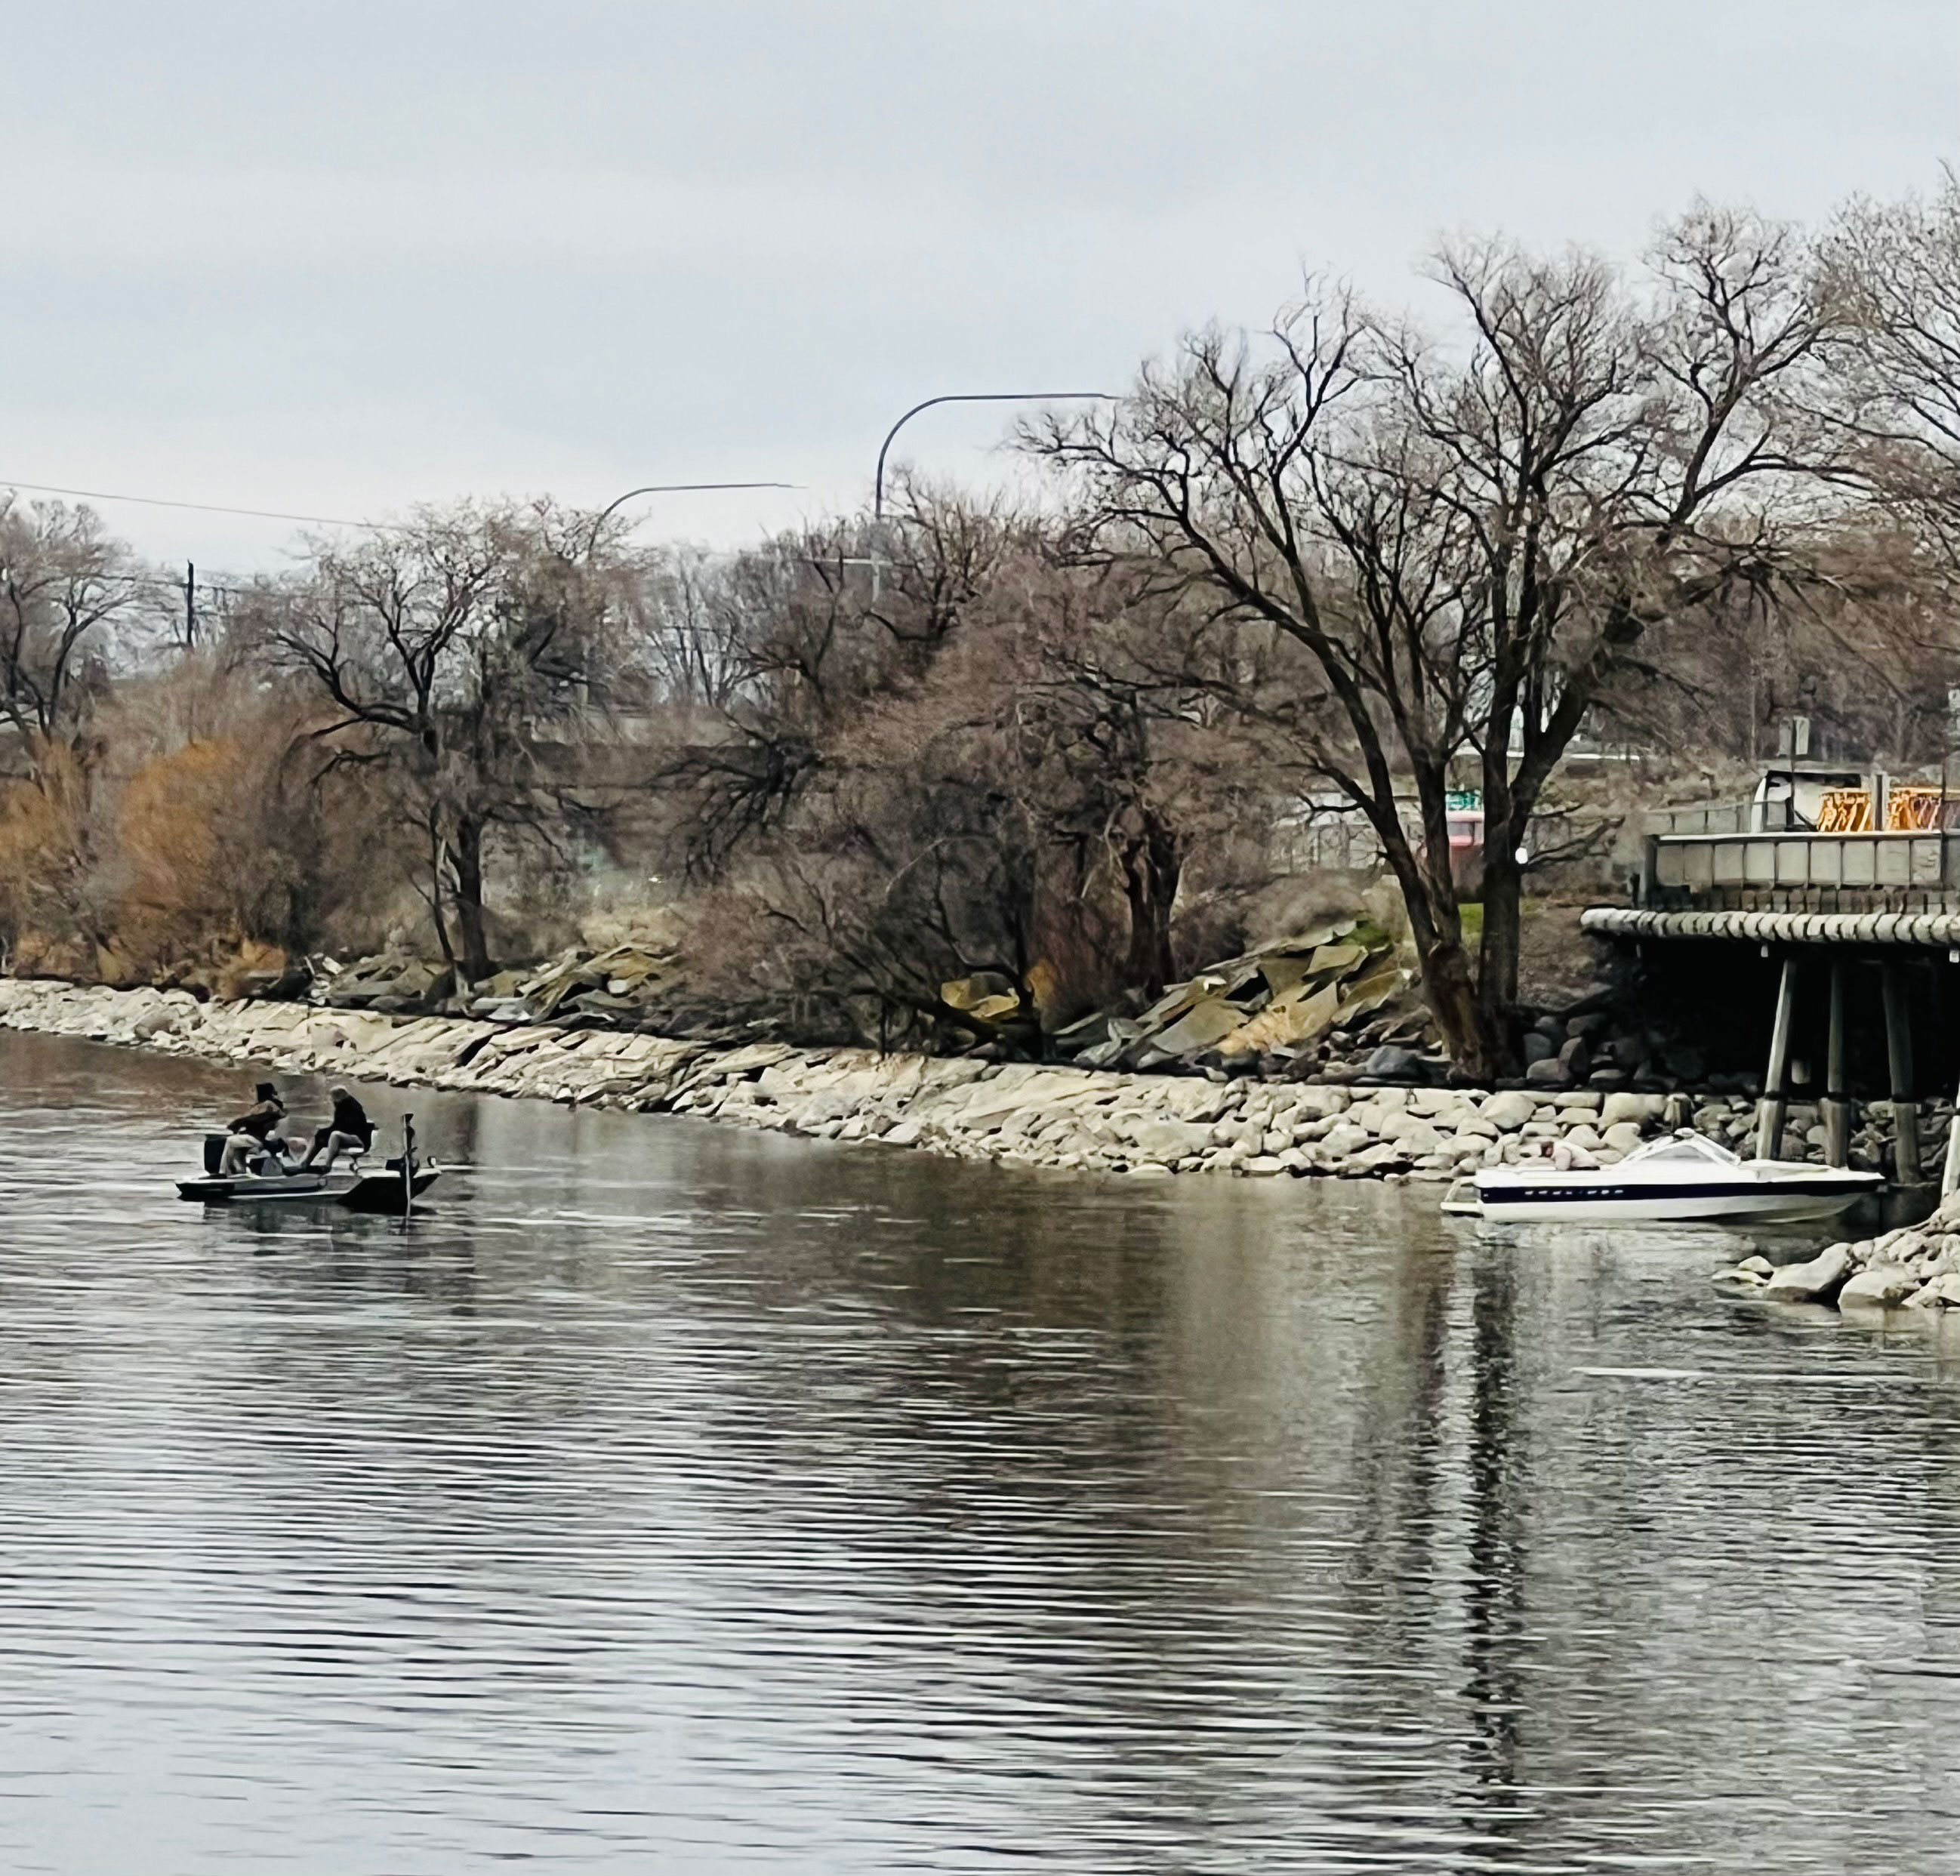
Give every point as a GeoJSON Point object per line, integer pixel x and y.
{"type": "Point", "coordinates": [673, 1498]}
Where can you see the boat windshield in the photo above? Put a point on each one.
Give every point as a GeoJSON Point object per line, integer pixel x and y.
{"type": "Point", "coordinates": [1685, 1145]}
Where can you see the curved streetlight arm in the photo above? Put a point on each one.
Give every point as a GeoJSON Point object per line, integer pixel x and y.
{"type": "Point", "coordinates": [970, 397]}
{"type": "Point", "coordinates": [667, 488]}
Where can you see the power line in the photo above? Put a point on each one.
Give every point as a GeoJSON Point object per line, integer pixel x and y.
{"type": "Point", "coordinates": [202, 508]}
{"type": "Point", "coordinates": [339, 521]}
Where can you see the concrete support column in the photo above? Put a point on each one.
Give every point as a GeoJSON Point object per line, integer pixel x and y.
{"type": "Point", "coordinates": [1898, 1053]}
{"type": "Point", "coordinates": [1774, 1106]}
{"type": "Point", "coordinates": [1837, 1115]}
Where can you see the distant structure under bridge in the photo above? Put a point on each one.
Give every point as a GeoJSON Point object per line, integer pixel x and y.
{"type": "Point", "coordinates": [1832, 871]}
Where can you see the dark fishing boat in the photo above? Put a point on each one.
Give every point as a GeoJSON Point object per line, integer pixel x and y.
{"type": "Point", "coordinates": [390, 1189]}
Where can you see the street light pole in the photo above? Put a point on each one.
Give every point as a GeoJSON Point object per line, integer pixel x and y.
{"type": "Point", "coordinates": [970, 397]}
{"type": "Point", "coordinates": [666, 489]}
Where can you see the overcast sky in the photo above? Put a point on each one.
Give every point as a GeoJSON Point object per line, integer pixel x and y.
{"type": "Point", "coordinates": [340, 257]}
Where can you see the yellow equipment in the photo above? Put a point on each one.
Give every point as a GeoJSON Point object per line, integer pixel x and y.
{"type": "Point", "coordinates": [1912, 810]}
{"type": "Point", "coordinates": [1845, 810]}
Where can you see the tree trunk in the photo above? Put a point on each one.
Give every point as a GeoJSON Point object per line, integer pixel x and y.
{"type": "Point", "coordinates": [1152, 867]}
{"type": "Point", "coordinates": [1478, 1048]}
{"type": "Point", "coordinates": [438, 867]}
{"type": "Point", "coordinates": [1498, 967]}
{"type": "Point", "coordinates": [475, 961]}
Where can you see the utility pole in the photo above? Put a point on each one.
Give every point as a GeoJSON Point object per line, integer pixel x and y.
{"type": "Point", "coordinates": [190, 606]}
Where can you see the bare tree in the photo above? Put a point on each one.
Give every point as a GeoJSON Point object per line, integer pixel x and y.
{"type": "Point", "coordinates": [1892, 271]}
{"type": "Point", "coordinates": [1471, 547]}
{"type": "Point", "coordinates": [462, 654]}
{"type": "Point", "coordinates": [66, 587]}
{"type": "Point", "coordinates": [810, 629]}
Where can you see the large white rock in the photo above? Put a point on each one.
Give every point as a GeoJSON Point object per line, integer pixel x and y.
{"type": "Point", "coordinates": [1882, 1285]}
{"type": "Point", "coordinates": [1510, 1111]}
{"type": "Point", "coordinates": [1817, 1281]}
{"type": "Point", "coordinates": [1172, 1140]}
{"type": "Point", "coordinates": [1417, 1139]}
{"type": "Point", "coordinates": [1636, 1108]}
{"type": "Point", "coordinates": [1344, 1141]}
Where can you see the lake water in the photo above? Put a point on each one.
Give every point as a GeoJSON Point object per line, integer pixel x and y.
{"type": "Point", "coordinates": [671, 1498]}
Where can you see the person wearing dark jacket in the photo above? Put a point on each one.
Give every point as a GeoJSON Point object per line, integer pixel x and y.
{"type": "Point", "coordinates": [254, 1132]}
{"type": "Point", "coordinates": [350, 1131]}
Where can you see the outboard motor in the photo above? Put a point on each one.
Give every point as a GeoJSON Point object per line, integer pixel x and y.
{"type": "Point", "coordinates": [214, 1154]}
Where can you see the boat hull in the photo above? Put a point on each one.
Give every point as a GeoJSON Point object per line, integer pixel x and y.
{"type": "Point", "coordinates": [223, 1191]}
{"type": "Point", "coordinates": [1740, 1201]}
{"type": "Point", "coordinates": [379, 1192]}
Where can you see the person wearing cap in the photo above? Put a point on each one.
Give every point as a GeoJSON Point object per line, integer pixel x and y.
{"type": "Point", "coordinates": [349, 1131]}
{"type": "Point", "coordinates": [254, 1132]}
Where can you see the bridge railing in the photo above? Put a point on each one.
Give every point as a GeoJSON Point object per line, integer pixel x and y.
{"type": "Point", "coordinates": [1683, 867]}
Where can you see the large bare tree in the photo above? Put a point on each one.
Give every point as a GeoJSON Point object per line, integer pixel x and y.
{"type": "Point", "coordinates": [462, 654]}
{"type": "Point", "coordinates": [1472, 543]}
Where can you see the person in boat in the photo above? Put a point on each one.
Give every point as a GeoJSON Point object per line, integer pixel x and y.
{"type": "Point", "coordinates": [255, 1133]}
{"type": "Point", "coordinates": [350, 1131]}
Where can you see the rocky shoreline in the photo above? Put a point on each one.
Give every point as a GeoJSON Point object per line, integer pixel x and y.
{"type": "Point", "coordinates": [1139, 1125]}
{"type": "Point", "coordinates": [1916, 1267]}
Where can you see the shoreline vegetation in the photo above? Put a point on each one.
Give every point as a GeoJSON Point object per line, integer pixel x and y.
{"type": "Point", "coordinates": [1020, 1114]}
{"type": "Point", "coordinates": [1342, 600]}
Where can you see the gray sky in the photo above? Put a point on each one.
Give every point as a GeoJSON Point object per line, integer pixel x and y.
{"type": "Point", "coordinates": [339, 257]}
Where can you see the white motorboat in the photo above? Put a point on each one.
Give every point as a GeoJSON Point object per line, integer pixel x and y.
{"type": "Point", "coordinates": [1684, 1178]}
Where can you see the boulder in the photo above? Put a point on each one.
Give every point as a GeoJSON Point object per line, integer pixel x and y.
{"type": "Point", "coordinates": [1509, 1112]}
{"type": "Point", "coordinates": [1639, 1108]}
{"type": "Point", "coordinates": [1171, 1140]}
{"type": "Point", "coordinates": [1943, 1293]}
{"type": "Point", "coordinates": [1882, 1285]}
{"type": "Point", "coordinates": [1946, 1218]}
{"type": "Point", "coordinates": [1623, 1136]}
{"type": "Point", "coordinates": [1391, 1063]}
{"type": "Point", "coordinates": [1817, 1281]}
{"type": "Point", "coordinates": [1550, 1072]}
{"type": "Point", "coordinates": [1537, 1048]}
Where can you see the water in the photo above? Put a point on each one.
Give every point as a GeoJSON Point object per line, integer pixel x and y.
{"type": "Point", "coordinates": [673, 1498]}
